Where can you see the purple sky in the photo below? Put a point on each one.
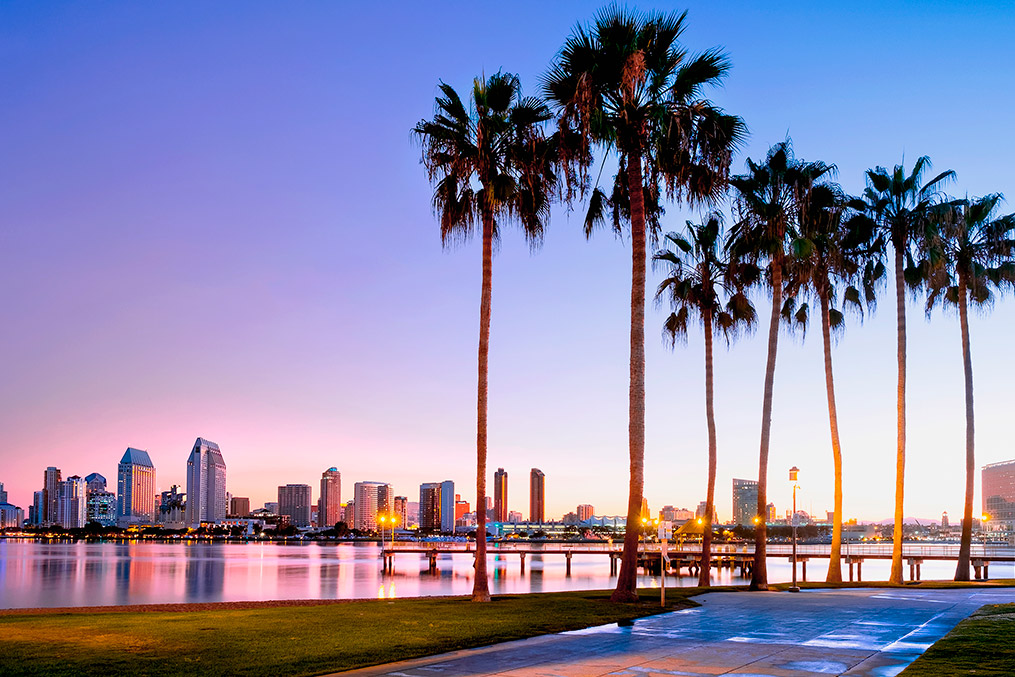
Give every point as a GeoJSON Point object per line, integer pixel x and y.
{"type": "Point", "coordinates": [213, 222]}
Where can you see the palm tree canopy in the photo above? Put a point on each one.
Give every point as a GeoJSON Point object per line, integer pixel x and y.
{"type": "Point", "coordinates": [702, 282]}
{"type": "Point", "coordinates": [626, 82]}
{"type": "Point", "coordinates": [972, 241]}
{"type": "Point", "coordinates": [490, 155]}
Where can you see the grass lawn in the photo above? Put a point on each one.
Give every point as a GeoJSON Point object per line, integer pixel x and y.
{"type": "Point", "coordinates": [295, 640]}
{"type": "Point", "coordinates": [980, 645]}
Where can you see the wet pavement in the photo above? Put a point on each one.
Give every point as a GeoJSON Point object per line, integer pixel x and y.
{"type": "Point", "coordinates": [874, 631]}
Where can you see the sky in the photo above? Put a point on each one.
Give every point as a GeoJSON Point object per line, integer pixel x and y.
{"type": "Point", "coordinates": [213, 222]}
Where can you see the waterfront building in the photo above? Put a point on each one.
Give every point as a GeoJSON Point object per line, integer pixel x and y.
{"type": "Point", "coordinates": [271, 507]}
{"type": "Point", "coordinates": [206, 484]}
{"type": "Point", "coordinates": [95, 482]}
{"type": "Point", "coordinates": [36, 510]}
{"type": "Point", "coordinates": [372, 499]}
{"type": "Point", "coordinates": [998, 491]}
{"type": "Point", "coordinates": [570, 518]}
{"type": "Point", "coordinates": [514, 517]}
{"type": "Point", "coordinates": [401, 505]}
{"type": "Point", "coordinates": [294, 503]}
{"type": "Point", "coordinates": [50, 494]}
{"type": "Point", "coordinates": [448, 506]}
{"type": "Point", "coordinates": [11, 516]}
{"type": "Point", "coordinates": [329, 505]}
{"type": "Point", "coordinates": [461, 508]}
{"type": "Point", "coordinates": [537, 496]}
{"type": "Point", "coordinates": [172, 512]}
{"type": "Point", "coordinates": [349, 514]}
{"type": "Point", "coordinates": [239, 506]}
{"type": "Point", "coordinates": [72, 503]}
{"type": "Point", "coordinates": [701, 509]}
{"type": "Point", "coordinates": [585, 511]}
{"type": "Point", "coordinates": [770, 513]}
{"type": "Point", "coordinates": [3, 494]}
{"type": "Point", "coordinates": [944, 520]}
{"type": "Point", "coordinates": [500, 495]}
{"type": "Point", "coordinates": [101, 507]}
{"type": "Point", "coordinates": [745, 501]}
{"type": "Point", "coordinates": [135, 488]}
{"type": "Point", "coordinates": [430, 506]}
{"type": "Point", "coordinates": [412, 513]}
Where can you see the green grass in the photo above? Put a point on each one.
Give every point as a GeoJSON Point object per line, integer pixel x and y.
{"type": "Point", "coordinates": [302, 640]}
{"type": "Point", "coordinates": [980, 645]}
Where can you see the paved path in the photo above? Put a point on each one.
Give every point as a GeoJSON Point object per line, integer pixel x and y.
{"type": "Point", "coordinates": [872, 631]}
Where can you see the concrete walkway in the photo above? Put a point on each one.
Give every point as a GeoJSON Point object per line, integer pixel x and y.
{"type": "Point", "coordinates": [871, 631]}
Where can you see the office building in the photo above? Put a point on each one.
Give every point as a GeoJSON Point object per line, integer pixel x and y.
{"type": "Point", "coordinates": [349, 514]}
{"type": "Point", "coordinates": [50, 494]}
{"type": "Point", "coordinates": [461, 508]}
{"type": "Point", "coordinates": [770, 513]}
{"type": "Point", "coordinates": [11, 516]}
{"type": "Point", "coordinates": [72, 503]}
{"type": "Point", "coordinates": [135, 488]}
{"type": "Point", "coordinates": [430, 506]}
{"type": "Point", "coordinates": [514, 517]}
{"type": "Point", "coordinates": [646, 512]}
{"type": "Point", "coordinates": [101, 507]}
{"type": "Point", "coordinates": [3, 494]}
{"type": "Point", "coordinates": [944, 520]}
{"type": "Point", "coordinates": [701, 509]}
{"type": "Point", "coordinates": [537, 496]}
{"type": "Point", "coordinates": [585, 512]}
{"type": "Point", "coordinates": [998, 490]}
{"type": "Point", "coordinates": [448, 507]}
{"type": "Point", "coordinates": [745, 501]}
{"type": "Point", "coordinates": [271, 507]}
{"type": "Point", "coordinates": [35, 511]}
{"type": "Point", "coordinates": [239, 506]}
{"type": "Point", "coordinates": [372, 499]}
{"type": "Point", "coordinates": [401, 511]}
{"type": "Point", "coordinates": [294, 503]}
{"type": "Point", "coordinates": [206, 484]}
{"type": "Point", "coordinates": [95, 482]}
{"type": "Point", "coordinates": [173, 509]}
{"type": "Point", "coordinates": [500, 495]}
{"type": "Point", "coordinates": [329, 505]}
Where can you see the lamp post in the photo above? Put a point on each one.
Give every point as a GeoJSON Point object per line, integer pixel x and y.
{"type": "Point", "coordinates": [792, 478]}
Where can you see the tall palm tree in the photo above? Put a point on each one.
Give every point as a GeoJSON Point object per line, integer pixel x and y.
{"type": "Point", "coordinates": [699, 278]}
{"type": "Point", "coordinates": [971, 255]}
{"type": "Point", "coordinates": [489, 161]}
{"type": "Point", "coordinates": [898, 203]}
{"type": "Point", "coordinates": [767, 202]}
{"type": "Point", "coordinates": [832, 249]}
{"type": "Point", "coordinates": [625, 84]}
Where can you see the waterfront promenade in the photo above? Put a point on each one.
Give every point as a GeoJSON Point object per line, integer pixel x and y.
{"type": "Point", "coordinates": [875, 632]}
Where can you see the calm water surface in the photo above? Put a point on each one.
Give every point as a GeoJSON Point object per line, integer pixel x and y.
{"type": "Point", "coordinates": [34, 574]}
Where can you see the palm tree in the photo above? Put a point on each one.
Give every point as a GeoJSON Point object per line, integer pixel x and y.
{"type": "Point", "coordinates": [767, 203]}
{"type": "Point", "coordinates": [971, 255]}
{"type": "Point", "coordinates": [898, 203]}
{"type": "Point", "coordinates": [832, 247]}
{"type": "Point", "coordinates": [489, 162]}
{"type": "Point", "coordinates": [624, 83]}
{"type": "Point", "coordinates": [698, 279]}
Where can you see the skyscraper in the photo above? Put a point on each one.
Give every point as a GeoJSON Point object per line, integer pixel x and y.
{"type": "Point", "coordinates": [537, 496]}
{"type": "Point", "coordinates": [135, 488]}
{"type": "Point", "coordinates": [294, 501]}
{"type": "Point", "coordinates": [172, 509]}
{"type": "Point", "coordinates": [745, 501]}
{"type": "Point", "coordinates": [585, 511]}
{"type": "Point", "coordinates": [239, 506]}
{"type": "Point", "coordinates": [72, 503]}
{"type": "Point", "coordinates": [329, 505]}
{"type": "Point", "coordinates": [372, 500]}
{"type": "Point", "coordinates": [500, 495]}
{"type": "Point", "coordinates": [998, 490]}
{"type": "Point", "coordinates": [50, 495]}
{"type": "Point", "coordinates": [430, 506]}
{"type": "Point", "coordinates": [95, 482]}
{"type": "Point", "coordinates": [401, 511]}
{"type": "Point", "coordinates": [3, 494]}
{"type": "Point", "coordinates": [448, 507]}
{"type": "Point", "coordinates": [206, 484]}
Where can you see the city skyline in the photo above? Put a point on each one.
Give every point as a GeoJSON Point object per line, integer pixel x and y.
{"type": "Point", "coordinates": [302, 297]}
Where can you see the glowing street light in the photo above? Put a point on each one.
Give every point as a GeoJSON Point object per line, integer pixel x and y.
{"type": "Point", "coordinates": [792, 478]}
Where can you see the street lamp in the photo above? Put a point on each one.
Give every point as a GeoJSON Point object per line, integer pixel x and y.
{"type": "Point", "coordinates": [792, 478]}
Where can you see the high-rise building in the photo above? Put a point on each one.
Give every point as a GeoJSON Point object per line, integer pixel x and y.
{"type": "Point", "coordinates": [500, 495]}
{"type": "Point", "coordinates": [3, 494]}
{"type": "Point", "coordinates": [401, 510]}
{"type": "Point", "coordinates": [770, 513]}
{"type": "Point", "coordinates": [72, 503]}
{"type": "Point", "coordinates": [329, 505]}
{"type": "Point", "coordinates": [239, 506]}
{"type": "Point", "coordinates": [944, 520]}
{"type": "Point", "coordinates": [135, 488]}
{"type": "Point", "coordinates": [50, 494]}
{"type": "Point", "coordinates": [206, 484]}
{"type": "Point", "coordinates": [585, 511]}
{"type": "Point", "coordinates": [461, 508]}
{"type": "Point", "coordinates": [537, 496]}
{"type": "Point", "coordinates": [372, 499]}
{"type": "Point", "coordinates": [102, 507]}
{"type": "Point", "coordinates": [745, 501]}
{"type": "Point", "coordinates": [349, 514]}
{"type": "Point", "coordinates": [173, 509]}
{"type": "Point", "coordinates": [448, 506]}
{"type": "Point", "coordinates": [514, 517]}
{"type": "Point", "coordinates": [38, 508]}
{"type": "Point", "coordinates": [294, 502]}
{"type": "Point", "coordinates": [11, 516]}
{"type": "Point", "coordinates": [998, 489]}
{"type": "Point", "coordinates": [701, 510]}
{"type": "Point", "coordinates": [646, 513]}
{"type": "Point", "coordinates": [430, 506]}
{"type": "Point", "coordinates": [95, 482]}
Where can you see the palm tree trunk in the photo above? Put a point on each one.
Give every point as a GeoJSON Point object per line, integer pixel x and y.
{"type": "Point", "coordinates": [834, 561]}
{"type": "Point", "coordinates": [900, 457]}
{"type": "Point", "coordinates": [481, 586]}
{"type": "Point", "coordinates": [704, 575]}
{"type": "Point", "coordinates": [759, 574]}
{"type": "Point", "coordinates": [627, 581]}
{"type": "Point", "coordinates": [965, 545]}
